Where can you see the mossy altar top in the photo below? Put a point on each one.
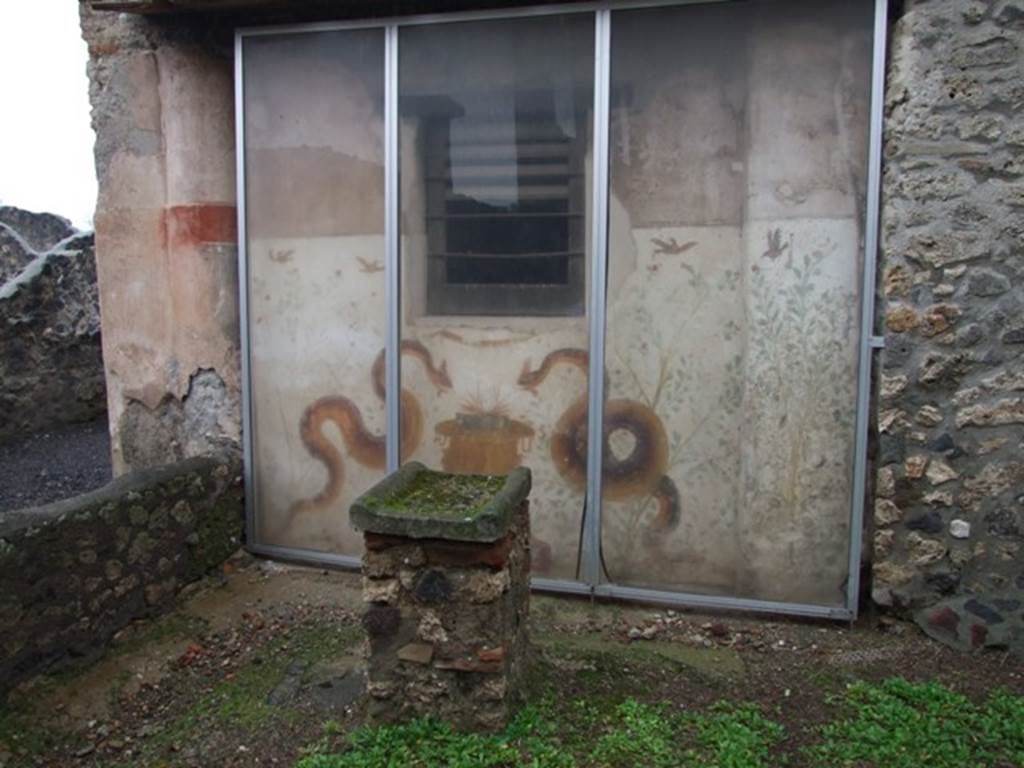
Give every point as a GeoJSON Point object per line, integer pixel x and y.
{"type": "Point", "coordinates": [420, 503]}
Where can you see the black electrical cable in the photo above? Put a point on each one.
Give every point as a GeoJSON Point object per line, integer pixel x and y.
{"type": "Point", "coordinates": [579, 544]}
{"type": "Point", "coordinates": [600, 546]}
{"type": "Point", "coordinates": [583, 517]}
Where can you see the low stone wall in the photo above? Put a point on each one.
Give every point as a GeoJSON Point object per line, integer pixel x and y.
{"type": "Point", "coordinates": [51, 365]}
{"type": "Point", "coordinates": [75, 572]}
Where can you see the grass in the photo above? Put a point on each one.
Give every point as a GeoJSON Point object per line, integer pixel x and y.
{"type": "Point", "coordinates": [734, 737]}
{"type": "Point", "coordinates": [893, 724]}
{"type": "Point", "coordinates": [553, 735]}
{"type": "Point", "coordinates": [897, 724]}
{"type": "Point", "coordinates": [23, 735]}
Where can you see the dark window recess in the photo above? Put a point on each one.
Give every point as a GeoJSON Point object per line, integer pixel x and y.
{"type": "Point", "coordinates": [505, 219]}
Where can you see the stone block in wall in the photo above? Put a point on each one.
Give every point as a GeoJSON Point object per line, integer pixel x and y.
{"type": "Point", "coordinates": [75, 572]}
{"type": "Point", "coordinates": [447, 600]}
{"type": "Point", "coordinates": [974, 622]}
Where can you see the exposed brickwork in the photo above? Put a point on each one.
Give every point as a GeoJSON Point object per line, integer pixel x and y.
{"type": "Point", "coordinates": [447, 626]}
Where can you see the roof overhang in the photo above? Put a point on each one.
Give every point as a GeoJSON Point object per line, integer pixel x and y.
{"type": "Point", "coordinates": [208, 6]}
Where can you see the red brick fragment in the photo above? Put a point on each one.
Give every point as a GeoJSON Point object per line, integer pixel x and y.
{"type": "Point", "coordinates": [464, 554]}
{"type": "Point", "coordinates": [979, 634]}
{"type": "Point", "coordinates": [468, 665]}
{"type": "Point", "coordinates": [376, 542]}
{"type": "Point", "coordinates": [945, 618]}
{"type": "Point", "coordinates": [491, 654]}
{"type": "Point", "coordinates": [718, 629]}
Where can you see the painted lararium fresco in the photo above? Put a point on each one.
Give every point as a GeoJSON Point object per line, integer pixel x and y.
{"type": "Point", "coordinates": [494, 162]}
{"type": "Point", "coordinates": [734, 268]}
{"type": "Point", "coordinates": [737, 173]}
{"type": "Point", "coordinates": [315, 201]}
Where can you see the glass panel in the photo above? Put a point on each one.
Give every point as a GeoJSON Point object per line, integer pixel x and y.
{"type": "Point", "coordinates": [495, 161]}
{"type": "Point", "coordinates": [314, 159]}
{"type": "Point", "coordinates": [738, 164]}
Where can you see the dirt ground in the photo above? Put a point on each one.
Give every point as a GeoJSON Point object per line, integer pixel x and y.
{"type": "Point", "coordinates": [54, 464]}
{"type": "Point", "coordinates": [258, 664]}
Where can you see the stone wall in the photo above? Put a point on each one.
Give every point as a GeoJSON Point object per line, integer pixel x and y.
{"type": "Point", "coordinates": [75, 572]}
{"type": "Point", "coordinates": [949, 506]}
{"type": "Point", "coordinates": [51, 366]}
{"type": "Point", "coordinates": [40, 231]}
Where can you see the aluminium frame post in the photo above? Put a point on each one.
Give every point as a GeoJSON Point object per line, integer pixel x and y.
{"type": "Point", "coordinates": [449, 17]}
{"type": "Point", "coordinates": [392, 262]}
{"type": "Point", "coordinates": [591, 555]}
{"type": "Point", "coordinates": [872, 211]}
{"type": "Point", "coordinates": [243, 294]}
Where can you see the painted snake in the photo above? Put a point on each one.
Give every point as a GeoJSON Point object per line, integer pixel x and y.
{"type": "Point", "coordinates": [641, 472]}
{"type": "Point", "coordinates": [363, 446]}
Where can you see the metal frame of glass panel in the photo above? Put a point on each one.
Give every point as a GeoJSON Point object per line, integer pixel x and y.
{"type": "Point", "coordinates": [596, 305]}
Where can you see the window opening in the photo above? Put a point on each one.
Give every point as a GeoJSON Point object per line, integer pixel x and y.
{"type": "Point", "coordinates": [505, 207]}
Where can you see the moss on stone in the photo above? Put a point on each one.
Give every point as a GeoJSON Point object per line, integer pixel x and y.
{"type": "Point", "coordinates": [219, 531]}
{"type": "Point", "coordinates": [442, 495]}
{"type": "Point", "coordinates": [710, 664]}
{"type": "Point", "coordinates": [423, 504]}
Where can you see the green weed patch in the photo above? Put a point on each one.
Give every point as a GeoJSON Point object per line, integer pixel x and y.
{"type": "Point", "coordinates": [898, 724]}
{"type": "Point", "coordinates": [574, 735]}
{"type": "Point", "coordinates": [894, 724]}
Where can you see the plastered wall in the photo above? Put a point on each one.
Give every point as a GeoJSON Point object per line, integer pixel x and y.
{"type": "Point", "coordinates": [165, 235]}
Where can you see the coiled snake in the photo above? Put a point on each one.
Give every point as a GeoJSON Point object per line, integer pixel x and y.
{"type": "Point", "coordinates": [363, 446]}
{"type": "Point", "coordinates": [641, 472]}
